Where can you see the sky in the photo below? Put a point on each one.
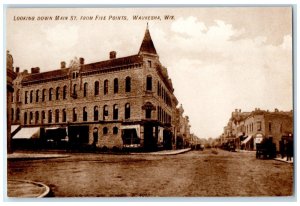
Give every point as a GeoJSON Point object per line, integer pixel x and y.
{"type": "Point", "coordinates": [219, 59]}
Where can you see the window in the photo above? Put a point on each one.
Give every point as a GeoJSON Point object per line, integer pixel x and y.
{"type": "Point", "coordinates": [57, 93]}
{"type": "Point", "coordinates": [149, 83]}
{"type": "Point", "coordinates": [30, 118]}
{"type": "Point", "coordinates": [18, 95]}
{"type": "Point", "coordinates": [49, 116]}
{"type": "Point", "coordinates": [37, 116]}
{"type": "Point", "coordinates": [115, 112]}
{"type": "Point", "coordinates": [127, 84]}
{"type": "Point", "coordinates": [96, 113]}
{"type": "Point", "coordinates": [105, 112]}
{"type": "Point", "coordinates": [43, 95]}
{"type": "Point", "coordinates": [57, 115]}
{"type": "Point", "coordinates": [115, 130]}
{"type": "Point", "coordinates": [75, 89]}
{"type": "Point", "coordinates": [74, 75]}
{"type": "Point", "coordinates": [105, 87]}
{"type": "Point", "coordinates": [26, 97]}
{"type": "Point", "coordinates": [12, 114]}
{"type": "Point", "coordinates": [259, 126]}
{"type": "Point", "coordinates": [270, 126]}
{"type": "Point", "coordinates": [18, 115]}
{"type": "Point", "coordinates": [148, 113]}
{"type": "Point", "coordinates": [158, 89]}
{"type": "Point", "coordinates": [43, 116]}
{"type": "Point", "coordinates": [64, 115]}
{"type": "Point", "coordinates": [64, 92]}
{"type": "Point", "coordinates": [85, 88]}
{"type": "Point", "coordinates": [74, 115]}
{"type": "Point", "coordinates": [37, 94]}
{"type": "Point", "coordinates": [96, 88]}
{"type": "Point", "coordinates": [149, 63]}
{"type": "Point", "coordinates": [50, 94]}
{"type": "Point", "coordinates": [31, 96]}
{"type": "Point", "coordinates": [25, 117]}
{"type": "Point", "coordinates": [84, 114]}
{"type": "Point", "coordinates": [116, 86]}
{"type": "Point", "coordinates": [127, 111]}
{"type": "Point", "coordinates": [105, 130]}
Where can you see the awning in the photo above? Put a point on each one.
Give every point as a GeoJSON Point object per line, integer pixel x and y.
{"type": "Point", "coordinates": [13, 128]}
{"type": "Point", "coordinates": [136, 127]}
{"type": "Point", "coordinates": [28, 133]}
{"type": "Point", "coordinates": [246, 140]}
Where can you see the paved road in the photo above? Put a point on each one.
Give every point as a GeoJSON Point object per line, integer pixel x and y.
{"type": "Point", "coordinates": [192, 174]}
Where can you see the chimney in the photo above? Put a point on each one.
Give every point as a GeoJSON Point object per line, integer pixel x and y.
{"type": "Point", "coordinates": [35, 70]}
{"type": "Point", "coordinates": [17, 69]}
{"type": "Point", "coordinates": [112, 55]}
{"type": "Point", "coordinates": [81, 60]}
{"type": "Point", "coordinates": [25, 71]}
{"type": "Point", "coordinates": [62, 65]}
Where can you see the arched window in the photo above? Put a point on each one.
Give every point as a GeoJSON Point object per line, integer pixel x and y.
{"type": "Point", "coordinates": [115, 130]}
{"type": "Point", "coordinates": [115, 112]}
{"type": "Point", "coordinates": [49, 116]}
{"type": "Point", "coordinates": [74, 115]}
{"type": "Point", "coordinates": [96, 88]}
{"type": "Point", "coordinates": [127, 84]}
{"type": "Point", "coordinates": [127, 111]}
{"type": "Point", "coordinates": [18, 115]}
{"type": "Point", "coordinates": [37, 95]}
{"type": "Point", "coordinates": [37, 116]}
{"type": "Point", "coordinates": [57, 93]}
{"type": "Point", "coordinates": [31, 96]}
{"type": "Point", "coordinates": [50, 94]}
{"type": "Point", "coordinates": [84, 114]}
{"type": "Point", "coordinates": [12, 114]}
{"type": "Point", "coordinates": [26, 97]}
{"type": "Point", "coordinates": [25, 117]}
{"type": "Point", "coordinates": [116, 86]}
{"type": "Point", "coordinates": [96, 113]}
{"type": "Point", "coordinates": [64, 115]}
{"type": "Point", "coordinates": [43, 95]}
{"type": "Point", "coordinates": [105, 130]}
{"type": "Point", "coordinates": [65, 92]}
{"type": "Point", "coordinates": [43, 117]}
{"type": "Point", "coordinates": [149, 83]}
{"type": "Point", "coordinates": [105, 112]}
{"type": "Point", "coordinates": [148, 113]}
{"type": "Point", "coordinates": [30, 118]}
{"type": "Point", "coordinates": [85, 89]}
{"type": "Point", "coordinates": [57, 115]}
{"type": "Point", "coordinates": [105, 87]}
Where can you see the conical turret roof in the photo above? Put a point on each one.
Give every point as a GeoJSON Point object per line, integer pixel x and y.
{"type": "Point", "coordinates": [147, 45]}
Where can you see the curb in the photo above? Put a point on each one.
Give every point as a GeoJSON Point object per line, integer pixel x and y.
{"type": "Point", "coordinates": [35, 157]}
{"type": "Point", "coordinates": [282, 160]}
{"type": "Point", "coordinates": [38, 184]}
{"type": "Point", "coordinates": [174, 152]}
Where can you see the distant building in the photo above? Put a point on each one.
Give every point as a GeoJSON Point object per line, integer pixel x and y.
{"type": "Point", "coordinates": [183, 136]}
{"type": "Point", "coordinates": [246, 129]}
{"type": "Point", "coordinates": [119, 102]}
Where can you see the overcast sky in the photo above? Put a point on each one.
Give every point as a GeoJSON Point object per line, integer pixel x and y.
{"type": "Point", "coordinates": [219, 59]}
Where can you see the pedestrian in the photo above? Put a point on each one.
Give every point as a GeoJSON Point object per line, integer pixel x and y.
{"type": "Point", "coordinates": [290, 150]}
{"type": "Point", "coordinates": [281, 148]}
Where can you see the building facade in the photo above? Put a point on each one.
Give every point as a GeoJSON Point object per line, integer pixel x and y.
{"type": "Point", "coordinates": [246, 129]}
{"type": "Point", "coordinates": [119, 102]}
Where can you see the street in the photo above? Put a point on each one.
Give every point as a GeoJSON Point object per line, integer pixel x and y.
{"type": "Point", "coordinates": [192, 174]}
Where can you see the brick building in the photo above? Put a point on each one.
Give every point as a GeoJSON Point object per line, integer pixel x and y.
{"type": "Point", "coordinates": [246, 129]}
{"type": "Point", "coordinates": [119, 102]}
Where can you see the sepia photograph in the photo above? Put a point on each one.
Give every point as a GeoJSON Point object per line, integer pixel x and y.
{"type": "Point", "coordinates": [155, 102]}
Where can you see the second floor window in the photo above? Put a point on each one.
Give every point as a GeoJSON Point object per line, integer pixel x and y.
{"type": "Point", "coordinates": [64, 92]}
{"type": "Point", "coordinates": [50, 94]}
{"type": "Point", "coordinates": [116, 86]}
{"type": "Point", "coordinates": [85, 89]}
{"type": "Point", "coordinates": [115, 112]}
{"type": "Point", "coordinates": [127, 84]}
{"type": "Point", "coordinates": [149, 83]}
{"type": "Point", "coordinates": [96, 88]}
{"type": "Point", "coordinates": [127, 111]}
{"type": "Point", "coordinates": [105, 87]}
{"type": "Point", "coordinates": [84, 114]}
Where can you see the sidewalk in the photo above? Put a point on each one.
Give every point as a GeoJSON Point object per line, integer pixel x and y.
{"type": "Point", "coordinates": [26, 189]}
{"type": "Point", "coordinates": [163, 152]}
{"type": "Point", "coordinates": [284, 160]}
{"type": "Point", "coordinates": [24, 156]}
